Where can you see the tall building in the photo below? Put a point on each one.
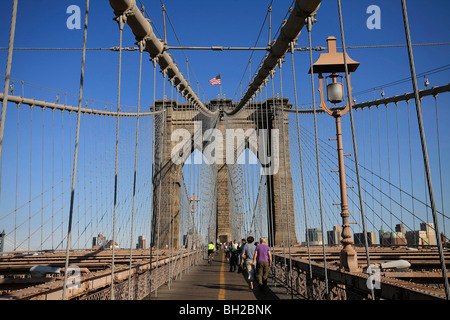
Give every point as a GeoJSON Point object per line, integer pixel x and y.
{"type": "Point", "coordinates": [371, 238]}
{"type": "Point", "coordinates": [315, 236]}
{"type": "Point", "coordinates": [142, 243]}
{"type": "Point", "coordinates": [416, 238]}
{"type": "Point", "coordinates": [334, 236]}
{"type": "Point", "coordinates": [429, 229]}
{"type": "Point", "coordinates": [2, 241]}
{"type": "Point", "coordinates": [399, 228]}
{"type": "Point", "coordinates": [98, 241]}
{"type": "Point", "coordinates": [392, 238]}
{"type": "Point", "coordinates": [423, 237]}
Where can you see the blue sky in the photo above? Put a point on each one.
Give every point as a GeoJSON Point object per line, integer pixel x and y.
{"type": "Point", "coordinates": [208, 23]}
{"type": "Point", "coordinates": [42, 24]}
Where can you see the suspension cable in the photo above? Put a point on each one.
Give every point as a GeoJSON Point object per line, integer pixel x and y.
{"type": "Point", "coordinates": [439, 160]}
{"type": "Point", "coordinates": [8, 75]}
{"type": "Point", "coordinates": [288, 223]}
{"type": "Point", "coordinates": [355, 147]}
{"type": "Point", "coordinates": [121, 25]}
{"type": "Point", "coordinates": [389, 164]}
{"type": "Point", "coordinates": [135, 165]}
{"type": "Point", "coordinates": [153, 179]}
{"type": "Point", "coordinates": [72, 194]}
{"type": "Point", "coordinates": [301, 171]}
{"type": "Point", "coordinates": [424, 148]}
{"type": "Point", "coordinates": [309, 27]}
{"type": "Point", "coordinates": [268, 14]}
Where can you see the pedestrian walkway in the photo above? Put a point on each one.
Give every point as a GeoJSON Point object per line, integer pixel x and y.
{"type": "Point", "coordinates": [215, 282]}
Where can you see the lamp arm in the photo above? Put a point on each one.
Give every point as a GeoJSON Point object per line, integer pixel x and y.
{"type": "Point", "coordinates": [349, 103]}
{"type": "Point", "coordinates": [323, 103]}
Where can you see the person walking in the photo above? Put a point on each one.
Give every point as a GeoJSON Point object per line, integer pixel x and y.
{"type": "Point", "coordinates": [263, 261]}
{"type": "Point", "coordinates": [226, 249]}
{"type": "Point", "coordinates": [233, 258]}
{"type": "Point", "coordinates": [247, 258]}
{"type": "Point", "coordinates": [240, 251]}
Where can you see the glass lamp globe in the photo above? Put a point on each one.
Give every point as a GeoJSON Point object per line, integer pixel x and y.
{"type": "Point", "coordinates": [335, 92]}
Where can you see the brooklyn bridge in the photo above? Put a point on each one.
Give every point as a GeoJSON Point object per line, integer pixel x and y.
{"type": "Point", "coordinates": [133, 134]}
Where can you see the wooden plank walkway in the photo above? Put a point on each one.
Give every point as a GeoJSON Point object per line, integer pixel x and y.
{"type": "Point", "coordinates": [215, 282]}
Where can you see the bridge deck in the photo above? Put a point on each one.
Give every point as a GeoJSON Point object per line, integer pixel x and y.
{"type": "Point", "coordinates": [216, 282]}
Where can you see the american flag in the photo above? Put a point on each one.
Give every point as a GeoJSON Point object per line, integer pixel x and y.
{"type": "Point", "coordinates": [215, 81]}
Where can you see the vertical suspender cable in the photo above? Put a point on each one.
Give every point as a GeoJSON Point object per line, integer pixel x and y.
{"type": "Point", "coordinates": [113, 244]}
{"type": "Point", "coordinates": [62, 176]}
{"type": "Point", "coordinates": [439, 159]}
{"type": "Point", "coordinates": [42, 177]}
{"type": "Point", "coordinates": [379, 166]}
{"type": "Point", "coordinates": [153, 176]}
{"type": "Point", "coordinates": [31, 171]}
{"type": "Point", "coordinates": [389, 165]}
{"type": "Point", "coordinates": [301, 169]}
{"type": "Point", "coordinates": [171, 227]}
{"type": "Point", "coordinates": [272, 219]}
{"type": "Point", "coordinates": [277, 112]}
{"type": "Point", "coordinates": [269, 41]}
{"type": "Point", "coordinates": [7, 77]}
{"type": "Point", "coordinates": [399, 162]}
{"type": "Point", "coordinates": [424, 148]}
{"type": "Point", "coordinates": [75, 160]}
{"type": "Point", "coordinates": [161, 148]}
{"type": "Point", "coordinates": [355, 147]}
{"type": "Point", "coordinates": [269, 178]}
{"type": "Point", "coordinates": [141, 48]}
{"type": "Point", "coordinates": [309, 27]}
{"type": "Point", "coordinates": [371, 165]}
{"type": "Point", "coordinates": [17, 181]}
{"type": "Point", "coordinates": [288, 224]}
{"type": "Point", "coordinates": [411, 171]}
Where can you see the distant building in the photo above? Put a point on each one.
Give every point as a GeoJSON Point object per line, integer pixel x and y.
{"type": "Point", "coordinates": [423, 237]}
{"type": "Point", "coordinates": [98, 241]}
{"type": "Point", "coordinates": [334, 236]}
{"type": "Point", "coordinates": [392, 239]}
{"type": "Point", "coordinates": [142, 243]}
{"type": "Point", "coordinates": [315, 236]}
{"type": "Point", "coordinates": [399, 228]}
{"type": "Point", "coordinates": [108, 245]}
{"type": "Point", "coordinates": [431, 236]}
{"type": "Point", "coordinates": [416, 238]}
{"type": "Point", "coordinates": [371, 238]}
{"type": "Point", "coordinates": [2, 241]}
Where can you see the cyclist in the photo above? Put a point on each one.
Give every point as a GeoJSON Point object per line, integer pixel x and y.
{"type": "Point", "coordinates": [211, 249]}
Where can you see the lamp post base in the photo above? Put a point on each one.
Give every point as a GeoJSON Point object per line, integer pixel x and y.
{"type": "Point", "coordinates": [349, 260]}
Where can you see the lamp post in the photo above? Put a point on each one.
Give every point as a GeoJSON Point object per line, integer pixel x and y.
{"type": "Point", "coordinates": [193, 206]}
{"type": "Point", "coordinates": [332, 63]}
{"type": "Point", "coordinates": [193, 203]}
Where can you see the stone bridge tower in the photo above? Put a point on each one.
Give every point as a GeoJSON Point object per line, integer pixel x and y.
{"type": "Point", "coordinates": [167, 173]}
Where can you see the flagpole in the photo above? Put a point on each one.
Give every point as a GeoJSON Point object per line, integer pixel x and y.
{"type": "Point", "coordinates": [220, 86]}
